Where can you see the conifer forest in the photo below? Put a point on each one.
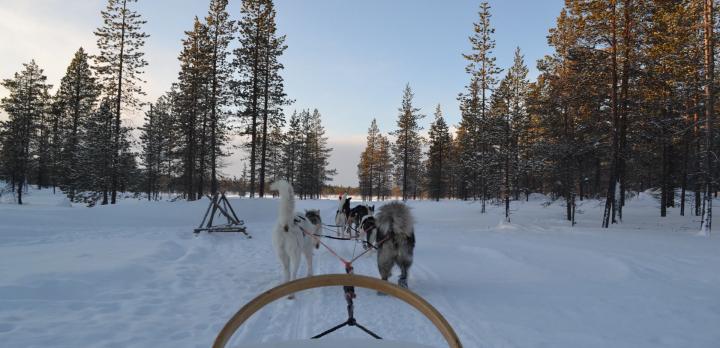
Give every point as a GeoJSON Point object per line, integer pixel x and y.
{"type": "Point", "coordinates": [623, 104]}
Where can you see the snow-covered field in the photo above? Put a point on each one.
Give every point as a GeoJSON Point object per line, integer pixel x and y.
{"type": "Point", "coordinates": [133, 275]}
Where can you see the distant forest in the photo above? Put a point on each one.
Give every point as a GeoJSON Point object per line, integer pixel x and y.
{"type": "Point", "coordinates": [625, 103]}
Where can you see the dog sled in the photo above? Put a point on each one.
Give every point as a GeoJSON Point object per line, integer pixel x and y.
{"type": "Point", "coordinates": [344, 280]}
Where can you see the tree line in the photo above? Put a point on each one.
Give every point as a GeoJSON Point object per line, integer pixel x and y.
{"type": "Point", "coordinates": [623, 104]}
{"type": "Point", "coordinates": [75, 140]}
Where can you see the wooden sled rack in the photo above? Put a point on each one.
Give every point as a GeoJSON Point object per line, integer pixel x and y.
{"type": "Point", "coordinates": [220, 205]}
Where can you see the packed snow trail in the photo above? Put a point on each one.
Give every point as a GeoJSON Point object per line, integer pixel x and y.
{"type": "Point", "coordinates": [133, 275]}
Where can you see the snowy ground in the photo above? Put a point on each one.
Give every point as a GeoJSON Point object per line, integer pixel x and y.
{"type": "Point", "coordinates": [133, 275]}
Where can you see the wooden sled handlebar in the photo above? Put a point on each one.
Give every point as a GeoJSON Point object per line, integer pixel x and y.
{"type": "Point", "coordinates": [337, 280]}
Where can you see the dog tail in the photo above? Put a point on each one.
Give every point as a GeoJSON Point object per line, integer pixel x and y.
{"type": "Point", "coordinates": [287, 198]}
{"type": "Point", "coordinates": [395, 217]}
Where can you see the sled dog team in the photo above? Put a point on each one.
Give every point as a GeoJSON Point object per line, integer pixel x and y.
{"type": "Point", "coordinates": [392, 228]}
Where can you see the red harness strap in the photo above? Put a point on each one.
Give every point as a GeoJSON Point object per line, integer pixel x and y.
{"type": "Point", "coordinates": [348, 264]}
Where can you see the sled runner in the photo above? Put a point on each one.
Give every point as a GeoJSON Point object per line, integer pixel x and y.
{"type": "Point", "coordinates": [220, 205]}
{"type": "Point", "coordinates": [345, 280]}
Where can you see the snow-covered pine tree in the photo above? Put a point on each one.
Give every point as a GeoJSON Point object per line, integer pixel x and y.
{"type": "Point", "coordinates": [438, 157]}
{"type": "Point", "coordinates": [26, 105]}
{"type": "Point", "coordinates": [74, 102]}
{"type": "Point", "coordinates": [407, 149]}
{"type": "Point", "coordinates": [483, 72]}
{"type": "Point", "coordinates": [120, 65]}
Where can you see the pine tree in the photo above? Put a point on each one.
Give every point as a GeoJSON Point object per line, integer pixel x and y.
{"type": "Point", "coordinates": [292, 148]}
{"type": "Point", "coordinates": [502, 138]}
{"type": "Point", "coordinates": [220, 31]}
{"type": "Point", "coordinates": [384, 167]}
{"type": "Point", "coordinates": [192, 104]}
{"type": "Point", "coordinates": [313, 156]}
{"type": "Point", "coordinates": [249, 64]}
{"type": "Point", "coordinates": [275, 154]}
{"type": "Point", "coordinates": [26, 105]}
{"type": "Point", "coordinates": [274, 97]}
{"type": "Point", "coordinates": [438, 157]}
{"type": "Point", "coordinates": [519, 120]}
{"type": "Point", "coordinates": [157, 140]}
{"type": "Point", "coordinates": [467, 143]}
{"type": "Point", "coordinates": [483, 71]}
{"type": "Point", "coordinates": [74, 102]}
{"type": "Point", "coordinates": [367, 168]}
{"type": "Point", "coordinates": [320, 153]}
{"type": "Point", "coordinates": [96, 154]}
{"type": "Point", "coordinates": [119, 66]}
{"type": "Point", "coordinates": [408, 146]}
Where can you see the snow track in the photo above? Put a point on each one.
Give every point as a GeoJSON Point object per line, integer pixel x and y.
{"type": "Point", "coordinates": [135, 276]}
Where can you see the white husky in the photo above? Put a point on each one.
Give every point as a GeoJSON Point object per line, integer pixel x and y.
{"type": "Point", "coordinates": [290, 237]}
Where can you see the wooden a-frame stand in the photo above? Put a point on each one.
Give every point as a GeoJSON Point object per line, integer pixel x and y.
{"type": "Point", "coordinates": [219, 202]}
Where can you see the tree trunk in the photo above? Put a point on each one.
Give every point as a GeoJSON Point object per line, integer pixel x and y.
{"type": "Point", "coordinates": [116, 151]}
{"type": "Point", "coordinates": [709, 23]}
{"type": "Point", "coordinates": [266, 88]}
{"type": "Point", "coordinates": [610, 206]}
{"type": "Point", "coordinates": [253, 135]}
{"type": "Point", "coordinates": [624, 104]}
{"type": "Point", "coordinates": [213, 119]}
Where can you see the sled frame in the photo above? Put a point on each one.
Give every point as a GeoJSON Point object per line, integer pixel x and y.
{"type": "Point", "coordinates": [286, 289]}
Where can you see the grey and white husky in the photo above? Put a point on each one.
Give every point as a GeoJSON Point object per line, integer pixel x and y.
{"type": "Point", "coordinates": [392, 232]}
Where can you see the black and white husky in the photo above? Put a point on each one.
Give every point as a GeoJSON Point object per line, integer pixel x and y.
{"type": "Point", "coordinates": [290, 237]}
{"type": "Point", "coordinates": [359, 212]}
{"type": "Point", "coordinates": [342, 216]}
{"type": "Point", "coordinates": [393, 233]}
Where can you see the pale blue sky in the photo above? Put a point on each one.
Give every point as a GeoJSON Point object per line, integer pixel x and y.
{"type": "Point", "coordinates": [349, 59]}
